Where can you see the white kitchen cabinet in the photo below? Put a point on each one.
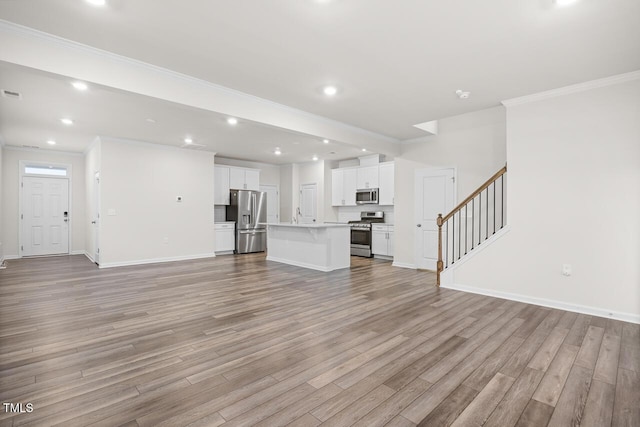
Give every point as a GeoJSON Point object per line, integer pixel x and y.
{"type": "Point", "coordinates": [386, 192]}
{"type": "Point", "coordinates": [244, 179]}
{"type": "Point", "coordinates": [382, 241]}
{"type": "Point", "coordinates": [367, 177]}
{"type": "Point", "coordinates": [252, 179]}
{"type": "Point", "coordinates": [343, 187]}
{"type": "Point", "coordinates": [221, 185]}
{"type": "Point", "coordinates": [225, 236]}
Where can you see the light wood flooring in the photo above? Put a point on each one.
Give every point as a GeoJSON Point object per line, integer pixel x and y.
{"type": "Point", "coordinates": [237, 340]}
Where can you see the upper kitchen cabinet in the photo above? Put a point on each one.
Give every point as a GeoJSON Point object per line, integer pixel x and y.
{"type": "Point", "coordinates": [221, 185]}
{"type": "Point", "coordinates": [343, 187]}
{"type": "Point", "coordinates": [244, 179]}
{"type": "Point", "coordinates": [367, 177]}
{"type": "Point", "coordinates": [231, 177]}
{"type": "Point", "coordinates": [386, 192]}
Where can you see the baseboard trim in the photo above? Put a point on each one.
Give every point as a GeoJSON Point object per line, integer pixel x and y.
{"type": "Point", "coordinates": [155, 260]}
{"type": "Point", "coordinates": [576, 308]}
{"type": "Point", "coordinates": [403, 265]}
{"type": "Point", "coordinates": [6, 257]}
{"type": "Point", "coordinates": [90, 257]}
{"type": "Point", "coordinates": [80, 252]}
{"type": "Point", "coordinates": [304, 264]}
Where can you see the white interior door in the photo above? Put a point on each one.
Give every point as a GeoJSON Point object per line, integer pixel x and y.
{"type": "Point", "coordinates": [308, 203]}
{"type": "Point", "coordinates": [434, 194]}
{"type": "Point", "coordinates": [45, 216]}
{"type": "Point", "coordinates": [273, 203]}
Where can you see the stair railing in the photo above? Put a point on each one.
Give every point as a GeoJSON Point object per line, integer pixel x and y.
{"type": "Point", "coordinates": [461, 237]}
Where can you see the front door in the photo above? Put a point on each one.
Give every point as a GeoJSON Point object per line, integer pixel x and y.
{"type": "Point", "coordinates": [434, 194]}
{"type": "Point", "coordinates": [45, 216]}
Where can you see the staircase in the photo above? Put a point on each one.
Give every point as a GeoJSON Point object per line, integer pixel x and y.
{"type": "Point", "coordinates": [472, 222]}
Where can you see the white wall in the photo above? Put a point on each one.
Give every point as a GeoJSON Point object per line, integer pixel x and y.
{"type": "Point", "coordinates": [140, 183]}
{"type": "Point", "coordinates": [10, 201]}
{"type": "Point", "coordinates": [574, 198]}
{"type": "Point", "coordinates": [1, 206]}
{"type": "Point", "coordinates": [286, 193]}
{"type": "Point", "coordinates": [473, 143]}
{"type": "Point", "coordinates": [92, 165]}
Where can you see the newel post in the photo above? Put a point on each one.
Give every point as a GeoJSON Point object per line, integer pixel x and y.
{"type": "Point", "coordinates": [440, 265]}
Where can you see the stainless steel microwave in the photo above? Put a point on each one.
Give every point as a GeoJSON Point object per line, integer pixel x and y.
{"type": "Point", "coordinates": [367, 196]}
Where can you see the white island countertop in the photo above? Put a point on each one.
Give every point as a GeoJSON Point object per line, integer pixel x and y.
{"type": "Point", "coordinates": [310, 225]}
{"type": "Point", "coordinates": [324, 247]}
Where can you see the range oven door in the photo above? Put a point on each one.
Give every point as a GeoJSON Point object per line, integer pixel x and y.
{"type": "Point", "coordinates": [361, 241]}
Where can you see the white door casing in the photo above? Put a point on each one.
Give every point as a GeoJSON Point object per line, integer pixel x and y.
{"type": "Point", "coordinates": [308, 203]}
{"type": "Point", "coordinates": [273, 202]}
{"type": "Point", "coordinates": [95, 222]}
{"type": "Point", "coordinates": [45, 216]}
{"type": "Point", "coordinates": [434, 194]}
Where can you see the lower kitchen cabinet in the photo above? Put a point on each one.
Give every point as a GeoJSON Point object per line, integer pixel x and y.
{"type": "Point", "coordinates": [225, 236]}
{"type": "Point", "coordinates": [382, 241]}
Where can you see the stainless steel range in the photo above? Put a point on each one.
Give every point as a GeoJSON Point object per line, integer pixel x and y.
{"type": "Point", "coordinates": [361, 233]}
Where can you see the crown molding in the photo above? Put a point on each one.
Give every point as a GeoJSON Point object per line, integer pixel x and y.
{"type": "Point", "coordinates": [567, 90]}
{"type": "Point", "coordinates": [42, 150]}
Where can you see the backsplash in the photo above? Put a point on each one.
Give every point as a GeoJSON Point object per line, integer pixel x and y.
{"type": "Point", "coordinates": [219, 213]}
{"type": "Point", "coordinates": [352, 213]}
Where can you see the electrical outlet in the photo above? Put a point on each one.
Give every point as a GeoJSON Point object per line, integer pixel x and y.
{"type": "Point", "coordinates": [566, 269]}
{"type": "Point", "coordinates": [165, 240]}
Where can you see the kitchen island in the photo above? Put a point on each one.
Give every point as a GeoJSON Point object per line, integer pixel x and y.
{"type": "Point", "coordinates": [324, 247]}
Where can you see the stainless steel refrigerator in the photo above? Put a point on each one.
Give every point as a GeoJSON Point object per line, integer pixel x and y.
{"type": "Point", "coordinates": [249, 210]}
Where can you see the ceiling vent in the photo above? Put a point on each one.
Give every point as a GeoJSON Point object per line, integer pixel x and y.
{"type": "Point", "coordinates": [30, 146]}
{"type": "Point", "coordinates": [11, 94]}
{"type": "Point", "coordinates": [192, 146]}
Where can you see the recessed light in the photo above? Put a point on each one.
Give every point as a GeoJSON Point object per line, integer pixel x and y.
{"type": "Point", "coordinates": [232, 121]}
{"type": "Point", "coordinates": [150, 120]}
{"type": "Point", "coordinates": [97, 2]}
{"type": "Point", "coordinates": [315, 158]}
{"type": "Point", "coordinates": [188, 140]}
{"type": "Point", "coordinates": [277, 152]}
{"type": "Point", "coordinates": [463, 94]}
{"type": "Point", "coordinates": [80, 85]}
{"type": "Point", "coordinates": [51, 142]}
{"type": "Point", "coordinates": [330, 90]}
{"type": "Point", "coordinates": [326, 141]}
{"type": "Point", "coordinates": [563, 3]}
{"type": "Point", "coordinates": [364, 149]}
{"type": "Point", "coordinates": [67, 121]}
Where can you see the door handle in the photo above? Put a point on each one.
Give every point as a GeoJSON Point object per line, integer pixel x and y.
{"type": "Point", "coordinates": [93, 222]}
{"type": "Point", "coordinates": [418, 225]}
{"type": "Point", "coordinates": [66, 220]}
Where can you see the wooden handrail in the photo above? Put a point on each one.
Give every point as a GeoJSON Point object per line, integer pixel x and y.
{"type": "Point", "coordinates": [475, 193]}
{"type": "Point", "coordinates": [442, 219]}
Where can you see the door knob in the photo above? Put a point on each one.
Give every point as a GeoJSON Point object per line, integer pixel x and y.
{"type": "Point", "coordinates": [418, 225]}
{"type": "Point", "coordinates": [93, 222]}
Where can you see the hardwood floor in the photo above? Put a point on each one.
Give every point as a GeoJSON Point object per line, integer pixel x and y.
{"type": "Point", "coordinates": [237, 340]}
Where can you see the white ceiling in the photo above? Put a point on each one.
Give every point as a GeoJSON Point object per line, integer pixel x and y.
{"type": "Point", "coordinates": [46, 98]}
{"type": "Point", "coordinates": [396, 63]}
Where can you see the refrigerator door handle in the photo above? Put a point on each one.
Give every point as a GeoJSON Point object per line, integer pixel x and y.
{"type": "Point", "coordinates": [254, 219]}
{"type": "Point", "coordinates": [252, 231]}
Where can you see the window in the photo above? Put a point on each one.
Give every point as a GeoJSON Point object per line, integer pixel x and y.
{"type": "Point", "coordinates": [45, 170]}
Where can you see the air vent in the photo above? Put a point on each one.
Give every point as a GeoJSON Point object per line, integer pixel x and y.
{"type": "Point", "coordinates": [30, 146]}
{"type": "Point", "coordinates": [11, 94]}
{"type": "Point", "coordinates": [192, 146]}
